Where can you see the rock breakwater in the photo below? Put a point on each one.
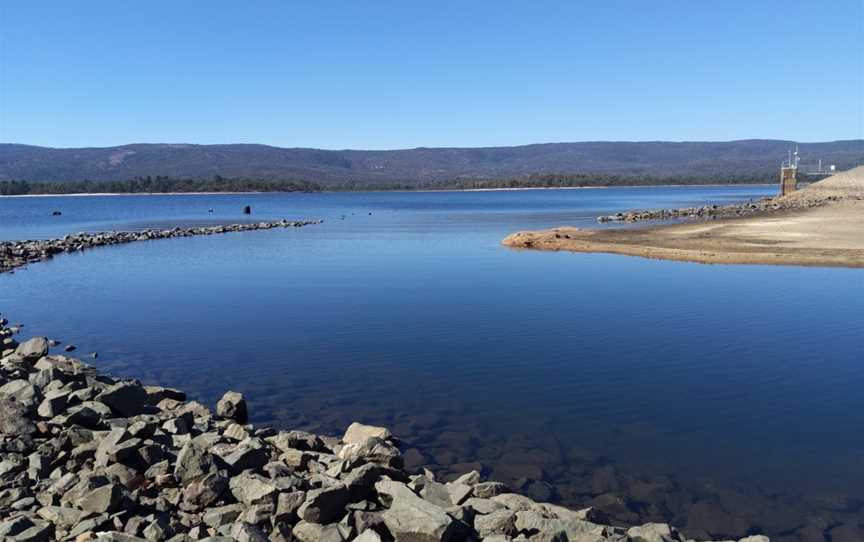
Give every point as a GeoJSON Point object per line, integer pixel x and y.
{"type": "Point", "coordinates": [750, 208]}
{"type": "Point", "coordinates": [15, 254]}
{"type": "Point", "coordinates": [84, 456]}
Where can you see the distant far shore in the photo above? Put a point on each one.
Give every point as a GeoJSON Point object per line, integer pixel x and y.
{"type": "Point", "coordinates": [671, 185]}
{"type": "Point", "coordinates": [109, 194]}
{"type": "Point", "coordinates": [225, 185]}
{"type": "Point", "coordinates": [423, 190]}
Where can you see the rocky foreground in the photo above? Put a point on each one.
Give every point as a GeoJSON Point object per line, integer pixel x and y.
{"type": "Point", "coordinates": [14, 254]}
{"type": "Point", "coordinates": [84, 456]}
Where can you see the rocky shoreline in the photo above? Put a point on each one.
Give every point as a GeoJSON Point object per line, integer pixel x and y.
{"type": "Point", "coordinates": [750, 208]}
{"type": "Point", "coordinates": [86, 456]}
{"type": "Point", "coordinates": [15, 254]}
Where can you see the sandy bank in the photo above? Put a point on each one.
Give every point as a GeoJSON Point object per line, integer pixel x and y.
{"type": "Point", "coordinates": [829, 234]}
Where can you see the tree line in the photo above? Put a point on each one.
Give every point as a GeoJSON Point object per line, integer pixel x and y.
{"type": "Point", "coordinates": [163, 184]}
{"type": "Point", "coordinates": [156, 185]}
{"type": "Point", "coordinates": [560, 180]}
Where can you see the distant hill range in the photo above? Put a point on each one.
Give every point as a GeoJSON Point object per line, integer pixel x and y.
{"type": "Point", "coordinates": [422, 165]}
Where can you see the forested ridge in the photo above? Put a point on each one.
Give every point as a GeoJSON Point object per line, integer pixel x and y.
{"type": "Point", "coordinates": [164, 184]}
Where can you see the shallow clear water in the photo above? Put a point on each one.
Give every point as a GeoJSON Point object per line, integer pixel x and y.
{"type": "Point", "coordinates": [403, 309]}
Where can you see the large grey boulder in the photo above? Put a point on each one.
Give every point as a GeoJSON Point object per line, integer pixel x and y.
{"type": "Point", "coordinates": [373, 450]}
{"type": "Point", "coordinates": [33, 349]}
{"type": "Point", "coordinates": [459, 493]}
{"type": "Point", "coordinates": [125, 399]}
{"type": "Point", "coordinates": [487, 490]}
{"type": "Point", "coordinates": [155, 394]}
{"type": "Point", "coordinates": [236, 432]}
{"type": "Point", "coordinates": [248, 454]}
{"type": "Point", "coordinates": [412, 519]}
{"type": "Point", "coordinates": [193, 462]}
{"type": "Point", "coordinates": [204, 491]}
{"type": "Point", "coordinates": [88, 525]}
{"type": "Point", "coordinates": [287, 505]}
{"type": "Point", "coordinates": [360, 481]}
{"type": "Point", "coordinates": [653, 532]}
{"type": "Point", "coordinates": [103, 499]}
{"type": "Point", "coordinates": [297, 440]}
{"type": "Point", "coordinates": [534, 522]}
{"type": "Point", "coordinates": [53, 404]}
{"type": "Point", "coordinates": [470, 478]}
{"type": "Point", "coordinates": [88, 415]}
{"type": "Point", "coordinates": [436, 493]}
{"type": "Point", "coordinates": [14, 527]}
{"type": "Point", "coordinates": [116, 536]}
{"type": "Point", "coordinates": [41, 531]}
{"type": "Point", "coordinates": [357, 433]}
{"type": "Point", "coordinates": [232, 406]}
{"type": "Point", "coordinates": [216, 517]}
{"type": "Point", "coordinates": [23, 392]}
{"type": "Point", "coordinates": [252, 489]}
{"type": "Point", "coordinates": [498, 522]}
{"type": "Point", "coordinates": [72, 368]}
{"type": "Point", "coordinates": [368, 536]}
{"type": "Point", "coordinates": [61, 515]}
{"type": "Point", "coordinates": [324, 505]}
{"type": "Point", "coordinates": [313, 532]}
{"type": "Point", "coordinates": [245, 532]}
{"type": "Point", "coordinates": [106, 451]}
{"type": "Point", "coordinates": [14, 420]}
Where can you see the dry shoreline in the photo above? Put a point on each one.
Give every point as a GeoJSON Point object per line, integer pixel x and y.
{"type": "Point", "coordinates": [822, 225]}
{"type": "Point", "coordinates": [832, 235]}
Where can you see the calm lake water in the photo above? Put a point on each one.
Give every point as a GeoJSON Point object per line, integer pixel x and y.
{"type": "Point", "coordinates": [724, 398]}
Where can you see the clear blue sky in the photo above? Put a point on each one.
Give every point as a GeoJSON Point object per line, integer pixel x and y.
{"type": "Point", "coordinates": [389, 74]}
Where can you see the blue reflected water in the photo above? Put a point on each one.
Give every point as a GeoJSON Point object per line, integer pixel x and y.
{"type": "Point", "coordinates": [404, 309]}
